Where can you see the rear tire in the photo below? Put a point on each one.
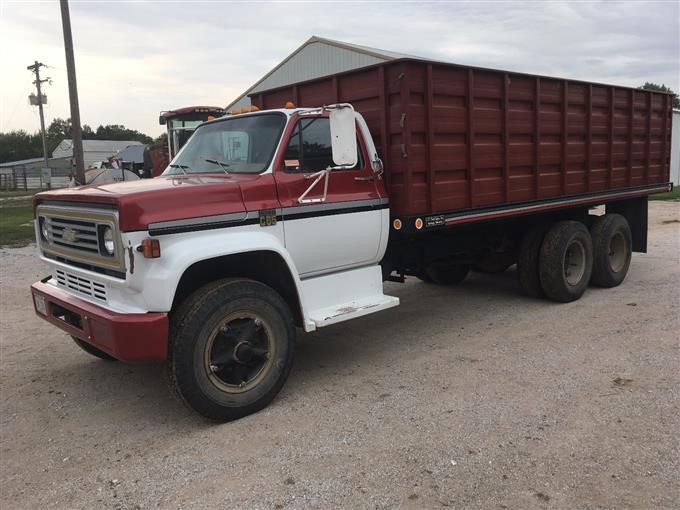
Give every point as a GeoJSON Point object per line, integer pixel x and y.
{"type": "Point", "coordinates": [527, 261]}
{"type": "Point", "coordinates": [231, 348]}
{"type": "Point", "coordinates": [612, 250]}
{"type": "Point", "coordinates": [566, 261]}
{"type": "Point", "coordinates": [446, 274]}
{"type": "Point", "coordinates": [92, 350]}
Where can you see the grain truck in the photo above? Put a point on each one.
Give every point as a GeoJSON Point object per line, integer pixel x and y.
{"type": "Point", "coordinates": [293, 216]}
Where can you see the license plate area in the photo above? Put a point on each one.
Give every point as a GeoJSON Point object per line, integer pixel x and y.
{"type": "Point", "coordinates": [73, 319]}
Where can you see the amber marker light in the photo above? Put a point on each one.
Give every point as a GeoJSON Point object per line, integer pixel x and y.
{"type": "Point", "coordinates": [397, 224]}
{"type": "Point", "coordinates": [290, 105]}
{"type": "Point", "coordinates": [419, 223]}
{"type": "Point", "coordinates": [151, 248]}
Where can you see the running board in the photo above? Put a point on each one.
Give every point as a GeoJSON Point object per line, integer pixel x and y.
{"type": "Point", "coordinates": [342, 296]}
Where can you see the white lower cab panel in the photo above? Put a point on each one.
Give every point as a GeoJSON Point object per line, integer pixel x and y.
{"type": "Point", "coordinates": [343, 296]}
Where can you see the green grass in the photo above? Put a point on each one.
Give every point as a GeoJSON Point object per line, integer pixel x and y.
{"type": "Point", "coordinates": [20, 193]}
{"type": "Point", "coordinates": [16, 223]}
{"type": "Point", "coordinates": [671, 195]}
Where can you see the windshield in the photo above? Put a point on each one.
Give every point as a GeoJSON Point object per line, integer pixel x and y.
{"type": "Point", "coordinates": [238, 145]}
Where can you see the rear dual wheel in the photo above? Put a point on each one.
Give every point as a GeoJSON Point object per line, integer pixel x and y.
{"type": "Point", "coordinates": [560, 261]}
{"type": "Point", "coordinates": [612, 250]}
{"type": "Point", "coordinates": [565, 261]}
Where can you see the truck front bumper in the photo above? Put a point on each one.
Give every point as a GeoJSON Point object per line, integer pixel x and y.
{"type": "Point", "coordinates": [125, 336]}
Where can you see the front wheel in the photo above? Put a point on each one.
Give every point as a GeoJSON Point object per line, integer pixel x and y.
{"type": "Point", "coordinates": [231, 348]}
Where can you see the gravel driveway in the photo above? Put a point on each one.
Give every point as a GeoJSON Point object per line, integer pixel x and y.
{"type": "Point", "coordinates": [465, 397]}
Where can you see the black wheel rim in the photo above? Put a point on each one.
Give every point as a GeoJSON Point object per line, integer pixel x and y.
{"type": "Point", "coordinates": [239, 353]}
{"type": "Point", "coordinates": [618, 251]}
{"type": "Point", "coordinates": [574, 263]}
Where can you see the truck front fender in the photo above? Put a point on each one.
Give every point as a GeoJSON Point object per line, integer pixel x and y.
{"type": "Point", "coordinates": [179, 252]}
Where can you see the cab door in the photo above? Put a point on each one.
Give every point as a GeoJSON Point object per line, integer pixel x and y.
{"type": "Point", "coordinates": [334, 229]}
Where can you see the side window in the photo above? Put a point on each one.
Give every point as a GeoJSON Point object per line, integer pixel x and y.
{"type": "Point", "coordinates": [309, 149]}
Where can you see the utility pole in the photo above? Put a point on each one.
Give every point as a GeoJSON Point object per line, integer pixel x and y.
{"type": "Point", "coordinates": [36, 70]}
{"type": "Point", "coordinates": [76, 131]}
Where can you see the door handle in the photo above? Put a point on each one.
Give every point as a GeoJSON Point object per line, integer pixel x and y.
{"type": "Point", "coordinates": [369, 178]}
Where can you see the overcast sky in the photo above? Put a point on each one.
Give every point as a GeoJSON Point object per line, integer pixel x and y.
{"type": "Point", "coordinates": [135, 59]}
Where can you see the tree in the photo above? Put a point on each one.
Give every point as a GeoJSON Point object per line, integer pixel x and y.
{"type": "Point", "coordinates": [58, 130]}
{"type": "Point", "coordinates": [119, 132]}
{"type": "Point", "coordinates": [662, 88]}
{"type": "Point", "coordinates": [18, 145]}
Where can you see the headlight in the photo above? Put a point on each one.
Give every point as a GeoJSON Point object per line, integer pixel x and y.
{"type": "Point", "coordinates": [43, 228]}
{"type": "Point", "coordinates": [107, 240]}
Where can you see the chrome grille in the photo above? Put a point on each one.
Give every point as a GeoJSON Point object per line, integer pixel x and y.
{"type": "Point", "coordinates": [81, 285]}
{"type": "Point", "coordinates": [72, 235]}
{"type": "Point", "coordinates": [78, 234]}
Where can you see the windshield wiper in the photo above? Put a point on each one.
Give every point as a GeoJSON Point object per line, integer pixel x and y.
{"type": "Point", "coordinates": [221, 164]}
{"type": "Point", "coordinates": [181, 167]}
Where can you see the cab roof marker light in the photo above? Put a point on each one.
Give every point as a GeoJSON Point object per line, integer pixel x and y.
{"type": "Point", "coordinates": [290, 105]}
{"type": "Point", "coordinates": [396, 224]}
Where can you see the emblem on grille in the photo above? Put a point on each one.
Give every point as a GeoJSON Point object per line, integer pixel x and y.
{"type": "Point", "coordinates": [69, 235]}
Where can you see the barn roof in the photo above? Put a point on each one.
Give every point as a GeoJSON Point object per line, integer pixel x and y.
{"type": "Point", "coordinates": [350, 56]}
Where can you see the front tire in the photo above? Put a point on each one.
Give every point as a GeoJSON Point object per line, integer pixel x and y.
{"type": "Point", "coordinates": [612, 250]}
{"type": "Point", "coordinates": [231, 348]}
{"type": "Point", "coordinates": [566, 261]}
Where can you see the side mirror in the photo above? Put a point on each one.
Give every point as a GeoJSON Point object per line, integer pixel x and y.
{"type": "Point", "coordinates": [377, 165]}
{"type": "Point", "coordinates": [343, 136]}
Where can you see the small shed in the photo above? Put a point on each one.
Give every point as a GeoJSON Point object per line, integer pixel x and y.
{"type": "Point", "coordinates": [94, 151]}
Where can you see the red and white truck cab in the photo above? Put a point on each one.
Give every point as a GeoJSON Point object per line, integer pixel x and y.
{"type": "Point", "coordinates": [263, 221]}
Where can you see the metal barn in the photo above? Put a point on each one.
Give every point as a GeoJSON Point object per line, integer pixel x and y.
{"type": "Point", "coordinates": [317, 57]}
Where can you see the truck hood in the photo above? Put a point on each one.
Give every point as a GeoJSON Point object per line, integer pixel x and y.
{"type": "Point", "coordinates": [164, 198]}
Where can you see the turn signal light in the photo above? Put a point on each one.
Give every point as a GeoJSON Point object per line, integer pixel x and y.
{"type": "Point", "coordinates": [151, 248]}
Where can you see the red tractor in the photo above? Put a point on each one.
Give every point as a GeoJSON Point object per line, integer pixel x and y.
{"type": "Point", "coordinates": [181, 123]}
